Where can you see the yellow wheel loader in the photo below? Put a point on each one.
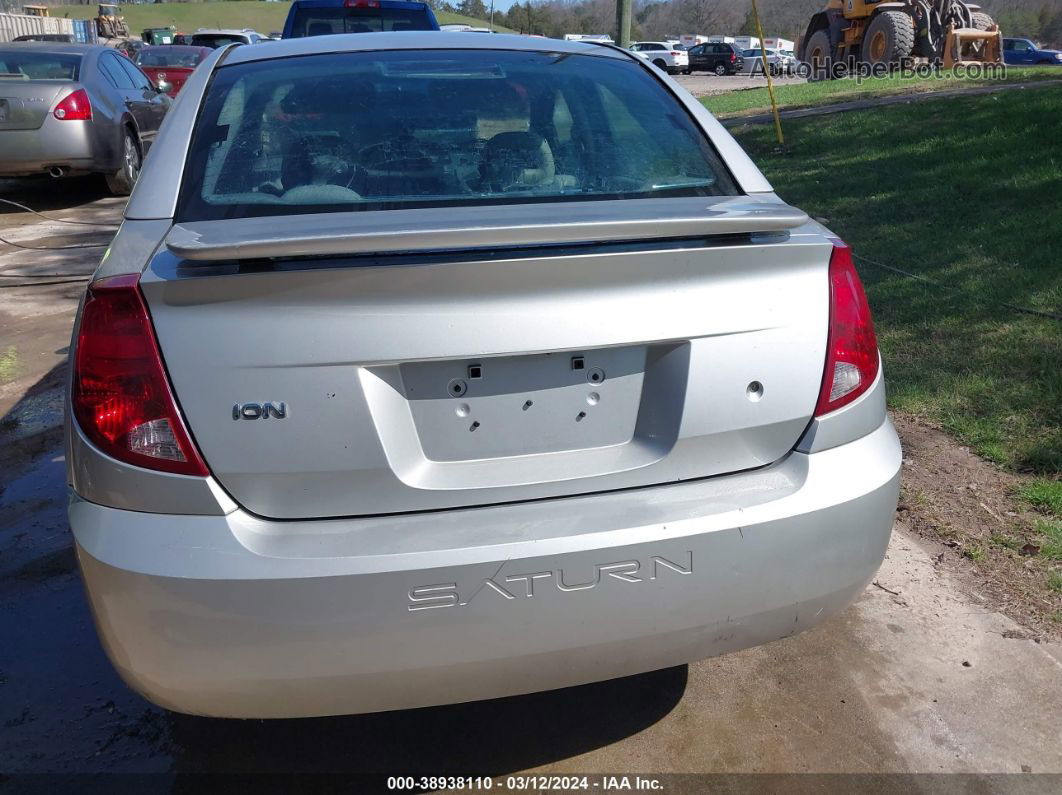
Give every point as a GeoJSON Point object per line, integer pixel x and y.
{"type": "Point", "coordinates": [873, 32]}
{"type": "Point", "coordinates": [109, 23]}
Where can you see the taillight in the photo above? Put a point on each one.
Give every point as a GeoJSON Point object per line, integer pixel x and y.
{"type": "Point", "coordinates": [675, 52]}
{"type": "Point", "coordinates": [121, 397]}
{"type": "Point", "coordinates": [852, 348]}
{"type": "Point", "coordinates": [733, 58]}
{"type": "Point", "coordinates": [361, 3]}
{"type": "Point", "coordinates": [74, 107]}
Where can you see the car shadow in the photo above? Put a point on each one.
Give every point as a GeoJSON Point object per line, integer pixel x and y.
{"type": "Point", "coordinates": [34, 423]}
{"type": "Point", "coordinates": [482, 738]}
{"type": "Point", "coordinates": [46, 194]}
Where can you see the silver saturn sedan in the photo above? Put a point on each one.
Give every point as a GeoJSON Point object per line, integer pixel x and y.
{"type": "Point", "coordinates": [72, 109]}
{"type": "Point", "coordinates": [428, 368]}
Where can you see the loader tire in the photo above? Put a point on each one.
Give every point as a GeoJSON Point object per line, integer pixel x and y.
{"type": "Point", "coordinates": [980, 22]}
{"type": "Point", "coordinates": [819, 55]}
{"type": "Point", "coordinates": [890, 38]}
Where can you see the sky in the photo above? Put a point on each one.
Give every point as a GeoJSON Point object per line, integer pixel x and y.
{"type": "Point", "coordinates": [499, 5]}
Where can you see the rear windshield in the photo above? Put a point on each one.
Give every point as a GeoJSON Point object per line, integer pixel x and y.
{"type": "Point", "coordinates": [23, 65]}
{"type": "Point", "coordinates": [325, 21]}
{"type": "Point", "coordinates": [390, 130]}
{"type": "Point", "coordinates": [216, 40]}
{"type": "Point", "coordinates": [170, 56]}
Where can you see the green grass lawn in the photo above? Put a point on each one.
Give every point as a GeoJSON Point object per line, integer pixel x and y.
{"type": "Point", "coordinates": [1045, 496]}
{"type": "Point", "coordinates": [827, 92]}
{"type": "Point", "coordinates": [967, 192]}
{"type": "Point", "coordinates": [186, 17]}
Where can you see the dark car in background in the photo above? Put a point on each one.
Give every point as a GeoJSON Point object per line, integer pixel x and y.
{"type": "Point", "coordinates": [170, 63]}
{"type": "Point", "coordinates": [717, 57]}
{"type": "Point", "coordinates": [129, 48]}
{"type": "Point", "coordinates": [325, 17]}
{"type": "Point", "coordinates": [61, 38]}
{"type": "Point", "coordinates": [1024, 52]}
{"type": "Point", "coordinates": [69, 109]}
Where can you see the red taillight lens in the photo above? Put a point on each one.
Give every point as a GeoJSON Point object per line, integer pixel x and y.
{"type": "Point", "coordinates": [361, 3]}
{"type": "Point", "coordinates": [733, 58]}
{"type": "Point", "coordinates": [121, 397]}
{"type": "Point", "coordinates": [75, 107]}
{"type": "Point", "coordinates": [852, 348]}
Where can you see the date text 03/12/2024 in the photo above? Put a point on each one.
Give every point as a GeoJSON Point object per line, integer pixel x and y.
{"type": "Point", "coordinates": [527, 783]}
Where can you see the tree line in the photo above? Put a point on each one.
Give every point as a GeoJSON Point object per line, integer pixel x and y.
{"type": "Point", "coordinates": [1040, 20]}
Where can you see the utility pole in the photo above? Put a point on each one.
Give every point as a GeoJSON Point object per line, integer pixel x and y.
{"type": "Point", "coordinates": [491, 16]}
{"type": "Point", "coordinates": [767, 71]}
{"type": "Point", "coordinates": [623, 22]}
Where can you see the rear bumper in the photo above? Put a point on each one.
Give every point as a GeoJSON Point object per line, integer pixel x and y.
{"type": "Point", "coordinates": [238, 616]}
{"type": "Point", "coordinates": [30, 152]}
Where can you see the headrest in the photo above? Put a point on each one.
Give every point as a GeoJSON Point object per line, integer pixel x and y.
{"type": "Point", "coordinates": [514, 160]}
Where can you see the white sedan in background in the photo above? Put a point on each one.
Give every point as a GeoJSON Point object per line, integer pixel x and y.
{"type": "Point", "coordinates": [664, 55]}
{"type": "Point", "coordinates": [778, 62]}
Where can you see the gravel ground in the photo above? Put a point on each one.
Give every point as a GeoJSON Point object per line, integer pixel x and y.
{"type": "Point", "coordinates": [701, 84]}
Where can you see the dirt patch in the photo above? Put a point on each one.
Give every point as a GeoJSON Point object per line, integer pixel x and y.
{"type": "Point", "coordinates": [987, 536]}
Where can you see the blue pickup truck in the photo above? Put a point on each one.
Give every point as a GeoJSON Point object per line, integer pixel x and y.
{"type": "Point", "coordinates": [324, 17]}
{"type": "Point", "coordinates": [1022, 52]}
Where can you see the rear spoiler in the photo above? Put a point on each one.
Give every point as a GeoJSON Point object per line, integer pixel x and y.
{"type": "Point", "coordinates": [479, 227]}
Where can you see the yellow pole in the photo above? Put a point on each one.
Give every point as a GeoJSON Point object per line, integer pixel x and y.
{"type": "Point", "coordinates": [767, 71]}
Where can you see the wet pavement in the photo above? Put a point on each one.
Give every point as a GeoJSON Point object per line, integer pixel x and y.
{"type": "Point", "coordinates": [919, 675]}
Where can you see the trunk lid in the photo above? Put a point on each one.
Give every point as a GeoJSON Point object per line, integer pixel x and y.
{"type": "Point", "coordinates": [364, 363]}
{"type": "Point", "coordinates": [25, 104]}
